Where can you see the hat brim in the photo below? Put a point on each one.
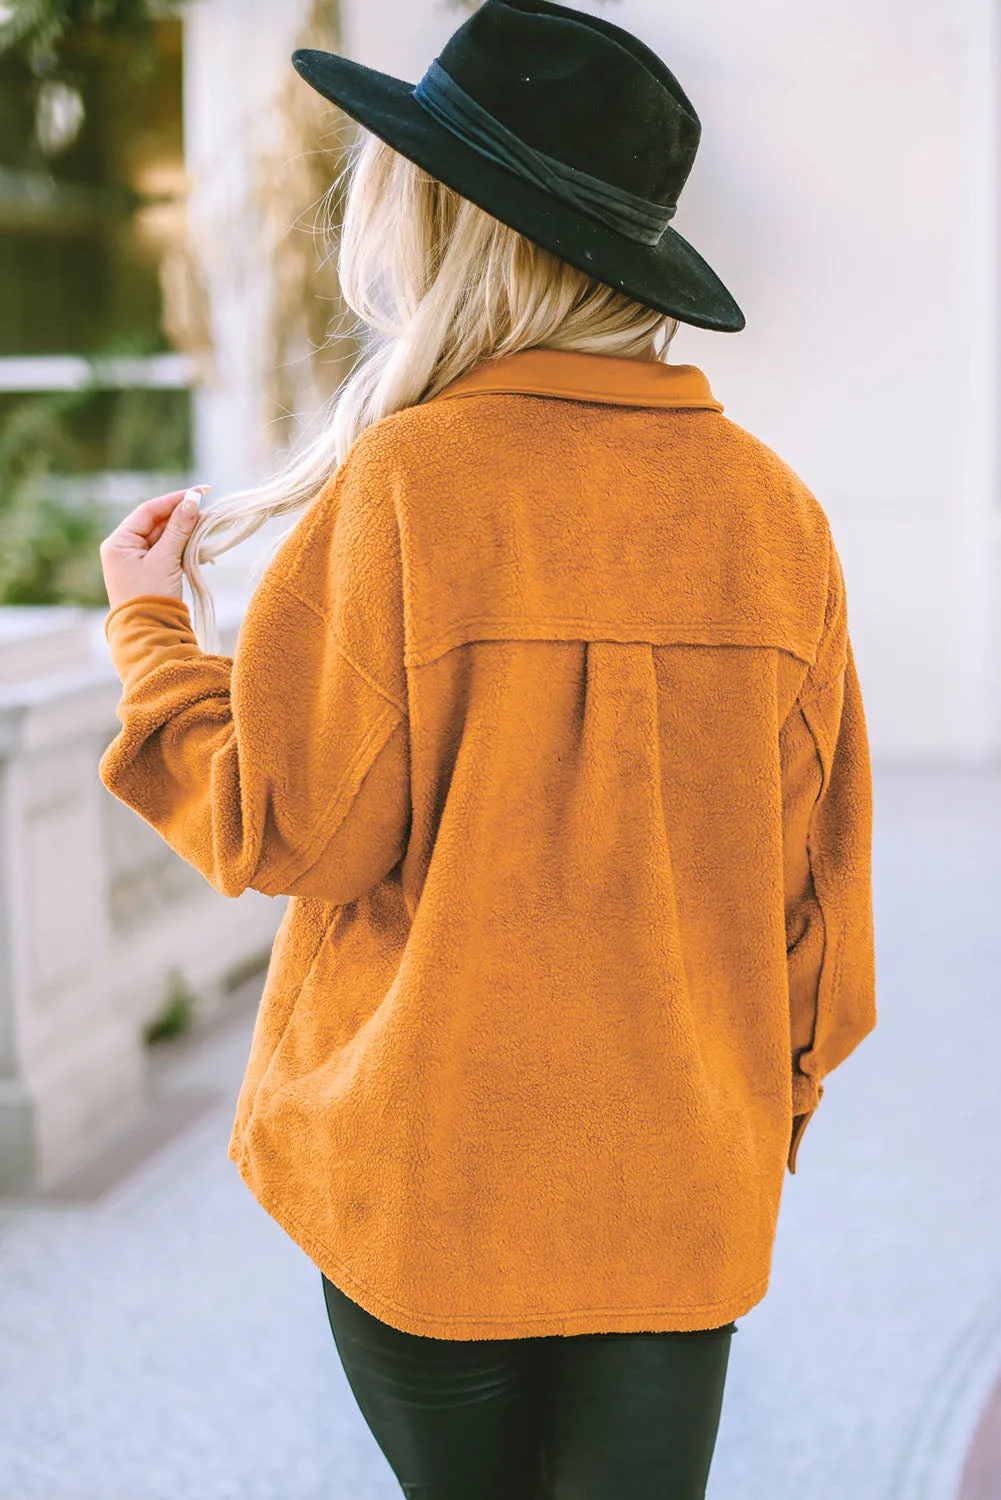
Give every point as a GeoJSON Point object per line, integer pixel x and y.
{"type": "Point", "coordinates": [670, 277]}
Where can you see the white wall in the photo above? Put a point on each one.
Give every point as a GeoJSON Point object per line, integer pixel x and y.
{"type": "Point", "coordinates": [236, 55]}
{"type": "Point", "coordinates": [847, 190]}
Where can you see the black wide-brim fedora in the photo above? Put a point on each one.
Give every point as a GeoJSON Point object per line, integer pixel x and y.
{"type": "Point", "coordinates": [563, 126]}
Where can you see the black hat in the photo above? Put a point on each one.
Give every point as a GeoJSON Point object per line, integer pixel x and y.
{"type": "Point", "coordinates": [563, 126]}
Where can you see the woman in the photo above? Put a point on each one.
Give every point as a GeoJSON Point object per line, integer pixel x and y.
{"type": "Point", "coordinates": [546, 717]}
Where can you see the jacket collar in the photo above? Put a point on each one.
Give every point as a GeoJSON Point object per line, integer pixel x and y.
{"type": "Point", "coordinates": [604, 378]}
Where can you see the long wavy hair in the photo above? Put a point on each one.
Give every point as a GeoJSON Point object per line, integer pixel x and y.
{"type": "Point", "coordinates": [439, 286]}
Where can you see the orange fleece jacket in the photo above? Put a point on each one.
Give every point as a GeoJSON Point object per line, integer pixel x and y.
{"type": "Point", "coordinates": [545, 715]}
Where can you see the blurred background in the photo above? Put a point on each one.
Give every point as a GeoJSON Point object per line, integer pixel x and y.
{"type": "Point", "coordinates": [167, 315]}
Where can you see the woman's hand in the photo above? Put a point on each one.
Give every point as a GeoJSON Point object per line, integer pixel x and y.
{"type": "Point", "coordinates": [143, 554]}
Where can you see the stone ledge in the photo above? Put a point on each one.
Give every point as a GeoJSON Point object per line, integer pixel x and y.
{"type": "Point", "coordinates": [163, 1121]}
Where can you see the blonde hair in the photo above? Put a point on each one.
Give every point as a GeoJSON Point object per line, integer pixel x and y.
{"type": "Point", "coordinates": [440, 286]}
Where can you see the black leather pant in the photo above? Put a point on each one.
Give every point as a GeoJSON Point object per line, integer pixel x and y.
{"type": "Point", "coordinates": [593, 1416]}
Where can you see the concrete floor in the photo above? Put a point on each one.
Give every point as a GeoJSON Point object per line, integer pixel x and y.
{"type": "Point", "coordinates": [168, 1342]}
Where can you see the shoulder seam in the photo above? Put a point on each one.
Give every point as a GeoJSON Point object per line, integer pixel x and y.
{"type": "Point", "coordinates": [339, 645]}
{"type": "Point", "coordinates": [834, 676]}
{"type": "Point", "coordinates": [366, 755]}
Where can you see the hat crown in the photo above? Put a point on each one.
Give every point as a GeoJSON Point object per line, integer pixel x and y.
{"type": "Point", "coordinates": [581, 90]}
{"type": "Point", "coordinates": [564, 127]}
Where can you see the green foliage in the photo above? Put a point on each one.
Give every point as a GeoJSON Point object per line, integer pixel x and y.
{"type": "Point", "coordinates": [49, 555]}
{"type": "Point", "coordinates": [49, 547]}
{"type": "Point", "coordinates": [39, 28]}
{"type": "Point", "coordinates": [177, 1014]}
{"type": "Point", "coordinates": [50, 533]}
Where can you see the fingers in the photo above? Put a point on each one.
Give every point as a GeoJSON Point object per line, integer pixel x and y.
{"type": "Point", "coordinates": [154, 513]}
{"type": "Point", "coordinates": [157, 532]}
{"type": "Point", "coordinates": [143, 527]}
{"type": "Point", "coordinates": [179, 525]}
{"type": "Point", "coordinates": [141, 521]}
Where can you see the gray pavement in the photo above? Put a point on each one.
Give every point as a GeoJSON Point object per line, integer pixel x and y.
{"type": "Point", "coordinates": [168, 1342]}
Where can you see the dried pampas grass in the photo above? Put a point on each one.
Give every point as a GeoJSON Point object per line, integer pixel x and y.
{"type": "Point", "coordinates": [310, 346]}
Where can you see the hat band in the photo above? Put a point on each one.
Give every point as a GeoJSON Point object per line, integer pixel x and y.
{"type": "Point", "coordinates": [636, 218]}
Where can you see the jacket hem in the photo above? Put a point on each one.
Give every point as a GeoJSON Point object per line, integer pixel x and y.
{"type": "Point", "coordinates": [535, 1325]}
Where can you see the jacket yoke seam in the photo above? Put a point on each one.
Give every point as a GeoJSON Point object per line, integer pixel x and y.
{"type": "Point", "coordinates": [423, 653]}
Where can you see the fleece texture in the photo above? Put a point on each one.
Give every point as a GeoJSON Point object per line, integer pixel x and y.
{"type": "Point", "coordinates": [546, 717]}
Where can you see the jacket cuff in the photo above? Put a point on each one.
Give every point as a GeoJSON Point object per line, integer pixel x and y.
{"type": "Point", "coordinates": [146, 631]}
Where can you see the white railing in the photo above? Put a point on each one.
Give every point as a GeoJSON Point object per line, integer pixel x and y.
{"type": "Point", "coordinates": [95, 910]}
{"type": "Point", "coordinates": [28, 373]}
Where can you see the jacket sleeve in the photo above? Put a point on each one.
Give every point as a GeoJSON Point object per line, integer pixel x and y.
{"type": "Point", "coordinates": [827, 809]}
{"type": "Point", "coordinates": [284, 768]}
